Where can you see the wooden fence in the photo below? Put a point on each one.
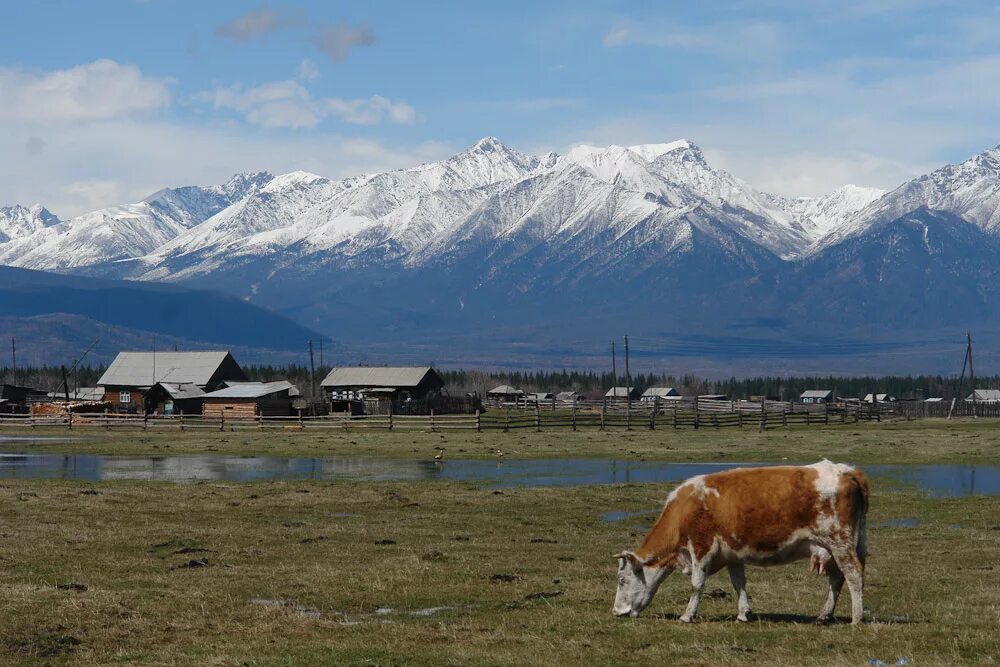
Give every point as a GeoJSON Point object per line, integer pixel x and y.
{"type": "Point", "coordinates": [683, 414]}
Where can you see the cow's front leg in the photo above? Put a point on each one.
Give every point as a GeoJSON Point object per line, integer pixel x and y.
{"type": "Point", "coordinates": [738, 575]}
{"type": "Point", "coordinates": [698, 577]}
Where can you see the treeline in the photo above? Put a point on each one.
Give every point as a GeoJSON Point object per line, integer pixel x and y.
{"type": "Point", "coordinates": [587, 383]}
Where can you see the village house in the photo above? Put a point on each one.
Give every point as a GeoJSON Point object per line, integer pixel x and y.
{"type": "Point", "coordinates": [174, 398]}
{"type": "Point", "coordinates": [395, 383]}
{"type": "Point", "coordinates": [881, 398]}
{"type": "Point", "coordinates": [14, 398]}
{"type": "Point", "coordinates": [654, 394]}
{"type": "Point", "coordinates": [132, 375]}
{"type": "Point", "coordinates": [984, 396]}
{"type": "Point", "coordinates": [504, 394]}
{"type": "Point", "coordinates": [246, 400]}
{"type": "Point", "coordinates": [816, 396]}
{"type": "Point", "coordinates": [568, 397]}
{"type": "Point", "coordinates": [621, 394]}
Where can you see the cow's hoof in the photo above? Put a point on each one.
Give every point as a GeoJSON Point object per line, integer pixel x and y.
{"type": "Point", "coordinates": [743, 618]}
{"type": "Point", "coordinates": [685, 619]}
{"type": "Point", "coordinates": [824, 620]}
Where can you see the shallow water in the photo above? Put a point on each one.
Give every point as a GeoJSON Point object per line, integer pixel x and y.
{"type": "Point", "coordinates": [939, 480]}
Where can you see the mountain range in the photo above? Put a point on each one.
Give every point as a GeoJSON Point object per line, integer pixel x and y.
{"type": "Point", "coordinates": [498, 257]}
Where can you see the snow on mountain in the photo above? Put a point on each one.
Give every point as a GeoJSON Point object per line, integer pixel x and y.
{"type": "Point", "coordinates": [21, 221]}
{"type": "Point", "coordinates": [824, 214]}
{"type": "Point", "coordinates": [126, 231]}
{"type": "Point", "coordinates": [970, 190]}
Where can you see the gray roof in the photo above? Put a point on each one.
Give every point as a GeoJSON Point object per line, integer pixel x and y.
{"type": "Point", "coordinates": [566, 395]}
{"type": "Point", "coordinates": [181, 391]}
{"type": "Point", "coordinates": [661, 392]}
{"type": "Point", "coordinates": [81, 394]}
{"type": "Point", "coordinates": [933, 399]}
{"type": "Point", "coordinates": [376, 376]}
{"type": "Point", "coordinates": [294, 391]}
{"type": "Point", "coordinates": [251, 389]}
{"type": "Point", "coordinates": [141, 369]}
{"type": "Point", "coordinates": [619, 392]}
{"type": "Point", "coordinates": [816, 393]}
{"type": "Point", "coordinates": [505, 389]}
{"type": "Point", "coordinates": [985, 395]}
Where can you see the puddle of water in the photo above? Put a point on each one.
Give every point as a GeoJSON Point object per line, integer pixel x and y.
{"type": "Point", "coordinates": [33, 439]}
{"type": "Point", "coordinates": [905, 522]}
{"type": "Point", "coordinates": [939, 480]}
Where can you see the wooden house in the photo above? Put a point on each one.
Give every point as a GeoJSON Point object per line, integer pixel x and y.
{"type": "Point", "coordinates": [394, 383]}
{"type": "Point", "coordinates": [811, 396]}
{"type": "Point", "coordinates": [621, 394]}
{"type": "Point", "coordinates": [132, 374]}
{"type": "Point", "coordinates": [504, 394]}
{"type": "Point", "coordinates": [984, 396]}
{"type": "Point", "coordinates": [14, 398]}
{"type": "Point", "coordinates": [654, 394]}
{"type": "Point", "coordinates": [174, 398]}
{"type": "Point", "coordinates": [246, 400]}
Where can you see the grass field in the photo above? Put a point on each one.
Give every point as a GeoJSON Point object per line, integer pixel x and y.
{"type": "Point", "coordinates": [318, 573]}
{"type": "Point", "coordinates": [927, 441]}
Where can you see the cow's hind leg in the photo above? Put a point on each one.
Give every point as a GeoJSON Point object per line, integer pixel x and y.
{"type": "Point", "coordinates": [854, 572]}
{"type": "Point", "coordinates": [738, 575]}
{"type": "Point", "coordinates": [836, 579]}
{"type": "Point", "coordinates": [698, 576]}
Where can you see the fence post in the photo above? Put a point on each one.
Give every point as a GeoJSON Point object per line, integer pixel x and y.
{"type": "Point", "coordinates": [739, 417]}
{"type": "Point", "coordinates": [260, 421]}
{"type": "Point", "coordinates": [784, 418]}
{"type": "Point", "coordinates": [652, 415]}
{"type": "Point", "coordinates": [574, 414]}
{"type": "Point", "coordinates": [182, 420]}
{"type": "Point", "coordinates": [222, 419]}
{"type": "Point", "coordinates": [479, 423]}
{"type": "Point", "coordinates": [506, 423]}
{"type": "Point", "coordinates": [70, 419]}
{"type": "Point", "coordinates": [145, 420]}
{"type": "Point", "coordinates": [696, 418]}
{"type": "Point", "coordinates": [107, 422]}
{"type": "Point", "coordinates": [763, 413]}
{"type": "Point", "coordinates": [674, 420]}
{"type": "Point", "coordinates": [538, 418]}
{"type": "Point", "coordinates": [433, 429]}
{"type": "Point", "coordinates": [604, 409]}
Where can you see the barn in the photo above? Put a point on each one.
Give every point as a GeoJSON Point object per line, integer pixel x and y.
{"type": "Point", "coordinates": [246, 400]}
{"type": "Point", "coordinates": [504, 394]}
{"type": "Point", "coordinates": [132, 375]}
{"type": "Point", "coordinates": [14, 398]}
{"type": "Point", "coordinates": [174, 398]}
{"type": "Point", "coordinates": [654, 394]}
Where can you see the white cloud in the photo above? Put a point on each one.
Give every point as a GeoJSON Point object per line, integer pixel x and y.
{"type": "Point", "coordinates": [289, 104]}
{"type": "Point", "coordinates": [100, 90]}
{"type": "Point", "coordinates": [752, 40]}
{"type": "Point", "coordinates": [308, 71]}
{"type": "Point", "coordinates": [101, 164]}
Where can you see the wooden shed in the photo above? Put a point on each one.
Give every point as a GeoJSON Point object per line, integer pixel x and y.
{"type": "Point", "coordinates": [246, 400]}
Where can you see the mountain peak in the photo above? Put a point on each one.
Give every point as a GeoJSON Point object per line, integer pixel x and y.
{"type": "Point", "coordinates": [650, 152]}
{"type": "Point", "coordinates": [488, 145]}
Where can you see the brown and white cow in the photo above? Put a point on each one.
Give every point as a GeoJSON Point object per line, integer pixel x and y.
{"type": "Point", "coordinates": [761, 516]}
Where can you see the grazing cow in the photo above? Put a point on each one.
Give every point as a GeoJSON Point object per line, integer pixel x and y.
{"type": "Point", "coordinates": [761, 516]}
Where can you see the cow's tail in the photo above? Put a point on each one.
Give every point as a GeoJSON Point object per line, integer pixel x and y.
{"type": "Point", "coordinates": [859, 514]}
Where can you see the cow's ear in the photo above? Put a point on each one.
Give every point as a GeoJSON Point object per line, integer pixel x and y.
{"type": "Point", "coordinates": [629, 557]}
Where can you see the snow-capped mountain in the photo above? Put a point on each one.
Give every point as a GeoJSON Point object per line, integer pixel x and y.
{"type": "Point", "coordinates": [970, 190]}
{"type": "Point", "coordinates": [126, 231]}
{"type": "Point", "coordinates": [21, 221]}
{"type": "Point", "coordinates": [648, 233]}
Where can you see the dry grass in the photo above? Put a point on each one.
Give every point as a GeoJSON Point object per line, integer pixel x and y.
{"type": "Point", "coordinates": [326, 556]}
{"type": "Point", "coordinates": [926, 441]}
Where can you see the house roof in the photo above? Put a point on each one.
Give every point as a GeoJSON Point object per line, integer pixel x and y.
{"type": "Point", "coordinates": [294, 391]}
{"type": "Point", "coordinates": [251, 389]}
{"type": "Point", "coordinates": [985, 395]}
{"type": "Point", "coordinates": [880, 397]}
{"type": "Point", "coordinates": [144, 369]}
{"type": "Point", "coordinates": [933, 399]}
{"type": "Point", "coordinates": [816, 393]}
{"type": "Point", "coordinates": [181, 390]}
{"type": "Point", "coordinates": [505, 389]}
{"type": "Point", "coordinates": [616, 392]}
{"type": "Point", "coordinates": [81, 394]}
{"type": "Point", "coordinates": [661, 392]}
{"type": "Point", "coordinates": [566, 395]}
{"type": "Point", "coordinates": [376, 376]}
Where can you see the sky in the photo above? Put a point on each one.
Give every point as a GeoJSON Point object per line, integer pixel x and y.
{"type": "Point", "coordinates": [103, 103]}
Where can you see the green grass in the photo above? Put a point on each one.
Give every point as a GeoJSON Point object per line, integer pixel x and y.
{"type": "Point", "coordinates": [328, 555]}
{"type": "Point", "coordinates": [926, 441]}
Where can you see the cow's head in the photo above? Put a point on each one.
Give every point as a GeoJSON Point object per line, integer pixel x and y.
{"type": "Point", "coordinates": [637, 583]}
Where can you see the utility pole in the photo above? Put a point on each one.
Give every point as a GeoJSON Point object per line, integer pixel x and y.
{"type": "Point", "coordinates": [312, 371]}
{"type": "Point", "coordinates": [628, 387]}
{"type": "Point", "coordinates": [614, 372]}
{"type": "Point", "coordinates": [966, 362]}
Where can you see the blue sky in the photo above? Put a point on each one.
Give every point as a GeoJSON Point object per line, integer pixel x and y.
{"type": "Point", "coordinates": [102, 103]}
